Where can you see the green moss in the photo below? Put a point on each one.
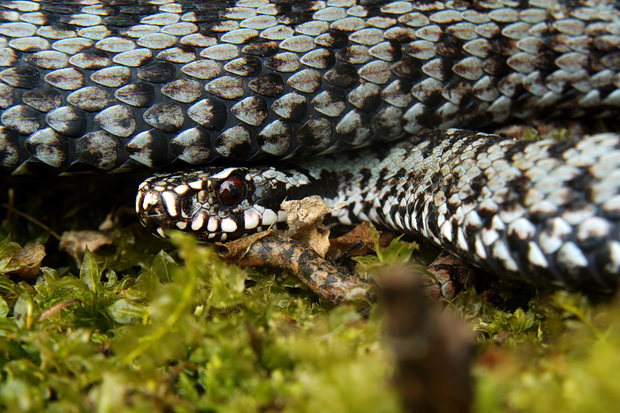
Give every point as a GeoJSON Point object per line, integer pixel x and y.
{"type": "Point", "coordinates": [569, 365]}
{"type": "Point", "coordinates": [182, 333]}
{"type": "Point", "coordinates": [143, 325]}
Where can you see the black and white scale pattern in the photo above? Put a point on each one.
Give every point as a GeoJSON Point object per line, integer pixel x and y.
{"type": "Point", "coordinates": [190, 201]}
{"type": "Point", "coordinates": [546, 211]}
{"type": "Point", "coordinates": [116, 86]}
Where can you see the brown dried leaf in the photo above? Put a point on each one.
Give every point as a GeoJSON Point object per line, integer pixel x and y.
{"type": "Point", "coordinates": [115, 217]}
{"type": "Point", "coordinates": [110, 222]}
{"type": "Point", "coordinates": [451, 276]}
{"type": "Point", "coordinates": [305, 222]}
{"type": "Point", "coordinates": [76, 242]}
{"type": "Point", "coordinates": [28, 260]}
{"type": "Point", "coordinates": [357, 242]}
{"type": "Point", "coordinates": [300, 251]}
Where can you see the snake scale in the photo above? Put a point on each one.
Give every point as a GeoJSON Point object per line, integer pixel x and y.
{"type": "Point", "coordinates": [116, 86]}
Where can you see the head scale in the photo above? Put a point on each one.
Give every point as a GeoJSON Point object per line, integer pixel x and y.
{"type": "Point", "coordinates": [215, 204]}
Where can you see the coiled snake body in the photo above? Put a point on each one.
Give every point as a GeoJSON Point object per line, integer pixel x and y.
{"type": "Point", "coordinates": [117, 86]}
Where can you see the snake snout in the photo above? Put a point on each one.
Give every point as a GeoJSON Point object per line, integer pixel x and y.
{"type": "Point", "coordinates": [153, 209]}
{"type": "Point", "coordinates": [163, 206]}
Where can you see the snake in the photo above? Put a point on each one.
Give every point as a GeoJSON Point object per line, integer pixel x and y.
{"type": "Point", "coordinates": [247, 103]}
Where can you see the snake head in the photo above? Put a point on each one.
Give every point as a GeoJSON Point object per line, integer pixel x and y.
{"type": "Point", "coordinates": [215, 204]}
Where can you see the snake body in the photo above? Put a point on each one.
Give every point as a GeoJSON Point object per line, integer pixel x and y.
{"type": "Point", "coordinates": [546, 211]}
{"type": "Point", "coordinates": [117, 86]}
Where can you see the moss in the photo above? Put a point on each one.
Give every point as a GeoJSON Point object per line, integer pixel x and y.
{"type": "Point", "coordinates": [144, 325]}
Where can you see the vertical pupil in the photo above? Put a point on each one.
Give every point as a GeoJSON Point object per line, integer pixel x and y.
{"type": "Point", "coordinates": [231, 191]}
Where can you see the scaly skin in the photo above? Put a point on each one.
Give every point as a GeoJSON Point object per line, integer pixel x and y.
{"type": "Point", "coordinates": [546, 211]}
{"type": "Point", "coordinates": [116, 88]}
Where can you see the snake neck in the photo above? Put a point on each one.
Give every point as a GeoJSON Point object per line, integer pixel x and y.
{"type": "Point", "coordinates": [513, 207]}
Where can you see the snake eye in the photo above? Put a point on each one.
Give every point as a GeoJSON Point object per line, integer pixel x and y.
{"type": "Point", "coordinates": [232, 191]}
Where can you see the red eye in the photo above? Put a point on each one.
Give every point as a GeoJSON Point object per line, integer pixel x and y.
{"type": "Point", "coordinates": [231, 191]}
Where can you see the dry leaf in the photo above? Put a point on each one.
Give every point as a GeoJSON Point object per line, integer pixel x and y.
{"type": "Point", "coordinates": [28, 260]}
{"type": "Point", "coordinates": [300, 250]}
{"type": "Point", "coordinates": [357, 242]}
{"type": "Point", "coordinates": [76, 242]}
{"type": "Point", "coordinates": [451, 276]}
{"type": "Point", "coordinates": [305, 222]}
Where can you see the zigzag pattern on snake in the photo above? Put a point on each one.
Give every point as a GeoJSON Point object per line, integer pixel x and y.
{"type": "Point", "coordinates": [117, 86]}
